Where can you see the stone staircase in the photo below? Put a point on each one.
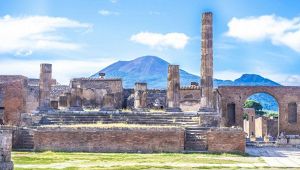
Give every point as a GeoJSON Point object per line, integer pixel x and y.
{"type": "Point", "coordinates": [25, 140]}
{"type": "Point", "coordinates": [195, 138]}
{"type": "Point", "coordinates": [180, 119]}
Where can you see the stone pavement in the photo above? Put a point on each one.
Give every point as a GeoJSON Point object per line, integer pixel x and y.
{"type": "Point", "coordinates": [277, 156]}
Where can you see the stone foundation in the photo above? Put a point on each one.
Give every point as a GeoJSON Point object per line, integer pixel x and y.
{"type": "Point", "coordinates": [144, 140]}
{"type": "Point", "coordinates": [226, 140]}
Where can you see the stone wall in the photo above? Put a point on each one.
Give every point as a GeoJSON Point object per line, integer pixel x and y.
{"type": "Point", "coordinates": [226, 140]}
{"type": "Point", "coordinates": [237, 95]}
{"type": "Point", "coordinates": [5, 149]}
{"type": "Point", "coordinates": [94, 91]}
{"type": "Point", "coordinates": [110, 140]}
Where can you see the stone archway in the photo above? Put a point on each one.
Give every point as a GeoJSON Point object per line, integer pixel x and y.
{"type": "Point", "coordinates": [283, 94]}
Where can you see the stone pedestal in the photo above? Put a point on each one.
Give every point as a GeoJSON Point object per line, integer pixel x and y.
{"type": "Point", "coordinates": [5, 149]}
{"type": "Point", "coordinates": [209, 119]}
{"type": "Point", "coordinates": [108, 103]}
{"type": "Point", "coordinates": [140, 97]}
{"type": "Point", "coordinates": [76, 97]}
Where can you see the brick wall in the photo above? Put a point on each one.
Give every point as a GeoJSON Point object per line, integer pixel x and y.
{"type": "Point", "coordinates": [226, 140]}
{"type": "Point", "coordinates": [110, 140]}
{"type": "Point", "coordinates": [14, 101]}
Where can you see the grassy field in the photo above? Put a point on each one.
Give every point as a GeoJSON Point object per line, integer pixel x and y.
{"type": "Point", "coordinates": [124, 161]}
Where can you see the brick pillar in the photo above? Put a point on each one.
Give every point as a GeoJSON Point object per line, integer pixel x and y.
{"type": "Point", "coordinates": [75, 97]}
{"type": "Point", "coordinates": [173, 89]}
{"type": "Point", "coordinates": [5, 149]}
{"type": "Point", "coordinates": [251, 122]}
{"type": "Point", "coordinates": [207, 63]}
{"type": "Point", "coordinates": [140, 97]}
{"type": "Point", "coordinates": [45, 87]}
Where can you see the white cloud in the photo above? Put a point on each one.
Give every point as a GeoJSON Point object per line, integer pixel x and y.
{"type": "Point", "coordinates": [63, 70]}
{"type": "Point", "coordinates": [107, 12]}
{"type": "Point", "coordinates": [156, 40]}
{"type": "Point", "coordinates": [23, 35]}
{"type": "Point", "coordinates": [279, 30]}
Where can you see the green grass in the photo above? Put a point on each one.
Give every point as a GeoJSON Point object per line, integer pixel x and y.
{"type": "Point", "coordinates": [125, 161]}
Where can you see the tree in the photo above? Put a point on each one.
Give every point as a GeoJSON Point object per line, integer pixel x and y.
{"type": "Point", "coordinates": [255, 105]}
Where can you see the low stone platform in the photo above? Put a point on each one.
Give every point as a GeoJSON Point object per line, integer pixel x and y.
{"type": "Point", "coordinates": [157, 118]}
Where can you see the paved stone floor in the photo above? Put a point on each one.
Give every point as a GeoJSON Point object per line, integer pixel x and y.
{"type": "Point", "coordinates": [277, 156]}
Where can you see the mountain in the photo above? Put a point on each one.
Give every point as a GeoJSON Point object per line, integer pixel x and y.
{"type": "Point", "coordinates": [154, 71]}
{"type": "Point", "coordinates": [150, 69]}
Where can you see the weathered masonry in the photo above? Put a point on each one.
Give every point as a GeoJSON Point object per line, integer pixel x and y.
{"type": "Point", "coordinates": [207, 63]}
{"type": "Point", "coordinates": [173, 89]}
{"type": "Point", "coordinates": [288, 98]}
{"type": "Point", "coordinates": [5, 149]}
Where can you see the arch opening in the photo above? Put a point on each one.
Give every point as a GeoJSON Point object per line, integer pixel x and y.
{"type": "Point", "coordinates": [260, 114]}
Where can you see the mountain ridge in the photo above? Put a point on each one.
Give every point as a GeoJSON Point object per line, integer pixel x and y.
{"type": "Point", "coordinates": [153, 70]}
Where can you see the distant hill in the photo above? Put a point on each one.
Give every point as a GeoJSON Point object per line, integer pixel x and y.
{"type": "Point", "coordinates": [154, 70]}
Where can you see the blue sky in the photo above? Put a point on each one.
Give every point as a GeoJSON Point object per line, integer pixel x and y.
{"type": "Point", "coordinates": [80, 37]}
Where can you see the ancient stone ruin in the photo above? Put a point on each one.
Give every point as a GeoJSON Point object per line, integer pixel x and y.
{"type": "Point", "coordinates": [198, 117]}
{"type": "Point", "coordinates": [5, 148]}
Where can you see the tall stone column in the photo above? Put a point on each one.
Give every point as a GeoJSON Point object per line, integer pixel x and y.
{"type": "Point", "coordinates": [45, 87]}
{"type": "Point", "coordinates": [207, 62]}
{"type": "Point", "coordinates": [208, 117]}
{"type": "Point", "coordinates": [173, 89]}
{"type": "Point", "coordinates": [140, 97]}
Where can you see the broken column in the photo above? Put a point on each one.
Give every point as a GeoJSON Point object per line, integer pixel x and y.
{"type": "Point", "coordinates": [140, 97]}
{"type": "Point", "coordinates": [76, 96]}
{"type": "Point", "coordinates": [5, 149]}
{"type": "Point", "coordinates": [207, 63]}
{"type": "Point", "coordinates": [45, 87]}
{"type": "Point", "coordinates": [208, 117]}
{"type": "Point", "coordinates": [173, 89]}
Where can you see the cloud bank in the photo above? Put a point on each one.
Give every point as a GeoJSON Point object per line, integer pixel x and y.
{"type": "Point", "coordinates": [278, 30]}
{"type": "Point", "coordinates": [156, 40]}
{"type": "Point", "coordinates": [23, 35]}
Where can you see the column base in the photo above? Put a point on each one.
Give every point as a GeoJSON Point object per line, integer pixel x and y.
{"type": "Point", "coordinates": [209, 119]}
{"type": "Point", "coordinates": [173, 109]}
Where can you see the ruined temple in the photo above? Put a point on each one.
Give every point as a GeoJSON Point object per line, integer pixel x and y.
{"type": "Point", "coordinates": [201, 118]}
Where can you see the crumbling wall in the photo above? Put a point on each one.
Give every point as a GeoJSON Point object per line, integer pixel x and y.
{"type": "Point", "coordinates": [13, 101]}
{"type": "Point", "coordinates": [109, 140]}
{"type": "Point", "coordinates": [94, 91]}
{"type": "Point", "coordinates": [156, 98]}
